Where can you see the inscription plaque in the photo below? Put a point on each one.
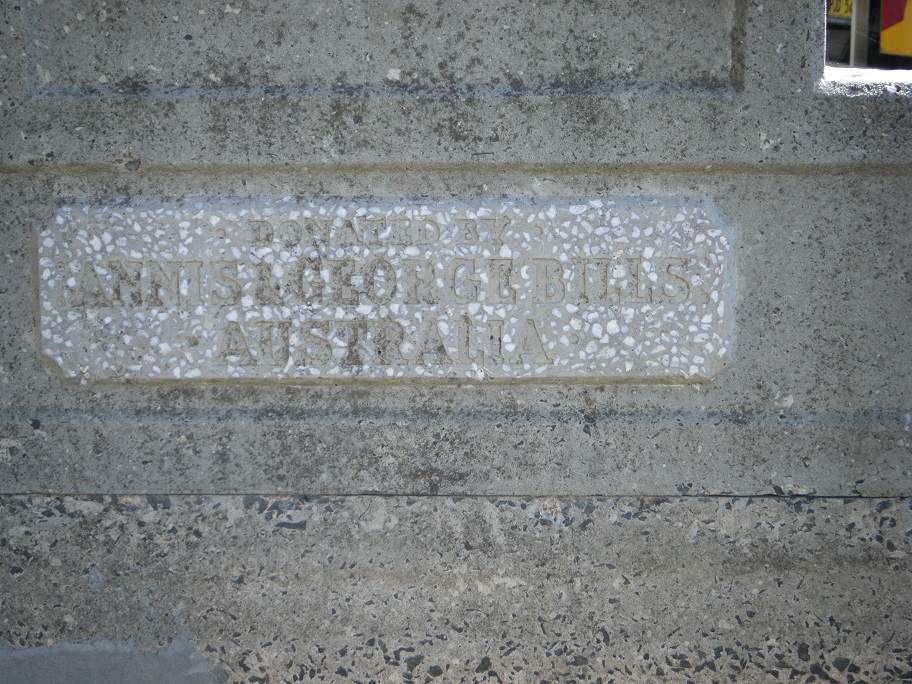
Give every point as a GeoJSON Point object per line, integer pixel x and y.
{"type": "Point", "coordinates": [626, 289]}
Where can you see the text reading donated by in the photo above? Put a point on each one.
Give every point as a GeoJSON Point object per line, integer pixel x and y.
{"type": "Point", "coordinates": [288, 289]}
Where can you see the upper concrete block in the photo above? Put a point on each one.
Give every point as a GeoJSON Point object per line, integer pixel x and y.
{"type": "Point", "coordinates": [324, 49]}
{"type": "Point", "coordinates": [707, 83]}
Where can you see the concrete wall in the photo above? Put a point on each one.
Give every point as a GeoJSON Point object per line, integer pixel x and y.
{"type": "Point", "coordinates": [751, 527]}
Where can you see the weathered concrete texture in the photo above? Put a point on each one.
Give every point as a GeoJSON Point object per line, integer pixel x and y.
{"type": "Point", "coordinates": [106, 663]}
{"type": "Point", "coordinates": [75, 46]}
{"type": "Point", "coordinates": [404, 103]}
{"type": "Point", "coordinates": [461, 590]}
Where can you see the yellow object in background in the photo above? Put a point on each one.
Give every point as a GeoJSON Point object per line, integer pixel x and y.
{"type": "Point", "coordinates": [896, 27]}
{"type": "Point", "coordinates": [840, 9]}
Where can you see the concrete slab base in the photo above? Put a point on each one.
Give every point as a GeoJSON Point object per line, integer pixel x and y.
{"type": "Point", "coordinates": [378, 589]}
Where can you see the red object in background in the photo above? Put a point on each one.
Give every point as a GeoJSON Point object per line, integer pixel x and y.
{"type": "Point", "coordinates": [891, 12]}
{"type": "Point", "coordinates": [895, 28]}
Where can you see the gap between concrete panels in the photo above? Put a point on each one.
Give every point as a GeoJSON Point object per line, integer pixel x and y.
{"type": "Point", "coordinates": [116, 170]}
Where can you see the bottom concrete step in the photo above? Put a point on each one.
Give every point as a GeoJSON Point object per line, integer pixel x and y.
{"type": "Point", "coordinates": [387, 589]}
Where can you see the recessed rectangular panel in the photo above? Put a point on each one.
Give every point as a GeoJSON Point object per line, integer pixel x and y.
{"type": "Point", "coordinates": [634, 289]}
{"type": "Point", "coordinates": [344, 48]}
